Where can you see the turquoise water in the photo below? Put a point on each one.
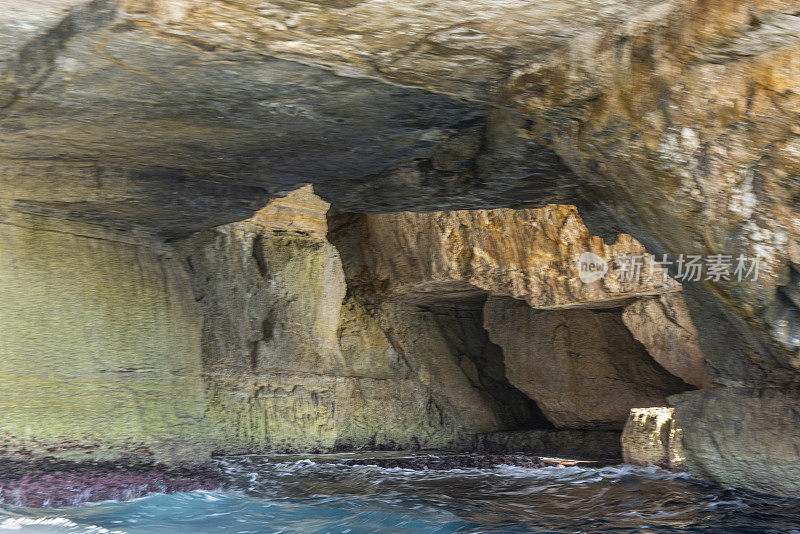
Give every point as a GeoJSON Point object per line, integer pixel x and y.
{"type": "Point", "coordinates": [280, 495]}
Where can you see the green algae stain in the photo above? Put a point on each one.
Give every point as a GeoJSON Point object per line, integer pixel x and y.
{"type": "Point", "coordinates": [99, 350]}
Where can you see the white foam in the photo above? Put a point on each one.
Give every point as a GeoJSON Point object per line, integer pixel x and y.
{"type": "Point", "coordinates": [48, 525]}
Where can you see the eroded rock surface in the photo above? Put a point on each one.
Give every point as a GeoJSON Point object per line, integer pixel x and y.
{"type": "Point", "coordinates": [675, 121]}
{"type": "Point", "coordinates": [742, 437]}
{"type": "Point", "coordinates": [528, 254]}
{"type": "Point", "coordinates": [292, 363]}
{"type": "Point", "coordinates": [583, 367]}
{"type": "Point", "coordinates": [663, 325]}
{"type": "Point", "coordinates": [685, 121]}
{"type": "Point", "coordinates": [651, 437]}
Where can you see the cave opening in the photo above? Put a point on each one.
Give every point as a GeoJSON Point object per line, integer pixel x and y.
{"type": "Point", "coordinates": [482, 361]}
{"type": "Point", "coordinates": [575, 368]}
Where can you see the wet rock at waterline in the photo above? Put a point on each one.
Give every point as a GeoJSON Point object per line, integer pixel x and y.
{"type": "Point", "coordinates": [581, 444]}
{"type": "Point", "coordinates": [51, 483]}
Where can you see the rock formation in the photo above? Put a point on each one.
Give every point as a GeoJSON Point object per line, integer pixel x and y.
{"type": "Point", "coordinates": [583, 367]}
{"type": "Point", "coordinates": [283, 350]}
{"type": "Point", "coordinates": [140, 316]}
{"type": "Point", "coordinates": [747, 437]}
{"type": "Point", "coordinates": [651, 437]}
{"type": "Point", "coordinates": [527, 254]}
{"type": "Point", "coordinates": [663, 325]}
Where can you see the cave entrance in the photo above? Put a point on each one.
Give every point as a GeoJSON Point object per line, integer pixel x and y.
{"type": "Point", "coordinates": [569, 363]}
{"type": "Point", "coordinates": [583, 366]}
{"type": "Point", "coordinates": [461, 322]}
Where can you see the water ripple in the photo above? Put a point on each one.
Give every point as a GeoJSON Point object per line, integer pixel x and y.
{"type": "Point", "coordinates": [288, 495]}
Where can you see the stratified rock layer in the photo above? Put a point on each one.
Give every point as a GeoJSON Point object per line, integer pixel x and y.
{"type": "Point", "coordinates": [529, 254]}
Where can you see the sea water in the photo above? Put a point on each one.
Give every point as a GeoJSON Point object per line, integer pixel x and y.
{"type": "Point", "coordinates": [284, 494]}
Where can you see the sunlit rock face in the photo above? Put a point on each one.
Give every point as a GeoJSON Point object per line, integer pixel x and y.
{"type": "Point", "coordinates": [533, 255]}
{"type": "Point", "coordinates": [651, 437]}
{"type": "Point", "coordinates": [522, 269]}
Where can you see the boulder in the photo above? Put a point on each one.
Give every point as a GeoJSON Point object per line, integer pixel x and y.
{"type": "Point", "coordinates": [663, 325]}
{"type": "Point", "coordinates": [742, 437]}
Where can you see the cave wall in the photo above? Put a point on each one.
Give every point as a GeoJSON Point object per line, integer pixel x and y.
{"type": "Point", "coordinates": [294, 362]}
{"type": "Point", "coordinates": [684, 122]}
{"type": "Point", "coordinates": [583, 367]}
{"type": "Point", "coordinates": [311, 334]}
{"type": "Point", "coordinates": [289, 364]}
{"type": "Point", "coordinates": [100, 354]}
{"type": "Point", "coordinates": [251, 337]}
{"type": "Point", "coordinates": [742, 436]}
{"type": "Point", "coordinates": [675, 121]}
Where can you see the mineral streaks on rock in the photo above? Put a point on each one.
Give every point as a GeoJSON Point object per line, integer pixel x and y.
{"type": "Point", "coordinates": [695, 144]}
{"type": "Point", "coordinates": [663, 325]}
{"type": "Point", "coordinates": [33, 33]}
{"type": "Point", "coordinates": [528, 254]}
{"type": "Point", "coordinates": [583, 367]}
{"type": "Point", "coordinates": [651, 437]}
